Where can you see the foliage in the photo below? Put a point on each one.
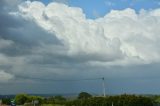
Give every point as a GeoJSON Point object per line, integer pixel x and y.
{"type": "Point", "coordinates": [51, 105]}
{"type": "Point", "coordinates": [85, 99]}
{"type": "Point", "coordinates": [32, 98]}
{"type": "Point", "coordinates": [84, 95]}
{"type": "Point", "coordinates": [55, 100]}
{"type": "Point", "coordinates": [20, 99]}
{"type": "Point", "coordinates": [49, 100]}
{"type": "Point", "coordinates": [59, 98]}
{"type": "Point", "coordinates": [6, 101]}
{"type": "Point", "coordinates": [157, 100]}
{"type": "Point", "coordinates": [122, 100]}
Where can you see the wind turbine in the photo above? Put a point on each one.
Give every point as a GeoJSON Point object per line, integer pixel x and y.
{"type": "Point", "coordinates": [103, 85]}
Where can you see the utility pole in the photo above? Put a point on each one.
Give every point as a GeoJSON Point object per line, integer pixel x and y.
{"type": "Point", "coordinates": [103, 85]}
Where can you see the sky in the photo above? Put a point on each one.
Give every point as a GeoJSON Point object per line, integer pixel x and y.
{"type": "Point", "coordinates": [52, 46]}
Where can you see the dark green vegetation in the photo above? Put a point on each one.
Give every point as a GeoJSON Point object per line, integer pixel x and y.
{"type": "Point", "coordinates": [85, 99]}
{"type": "Point", "coordinates": [122, 100]}
{"type": "Point", "coordinates": [84, 95]}
{"type": "Point", "coordinates": [24, 98]}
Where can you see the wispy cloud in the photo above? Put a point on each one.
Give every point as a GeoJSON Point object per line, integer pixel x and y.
{"type": "Point", "coordinates": [109, 3]}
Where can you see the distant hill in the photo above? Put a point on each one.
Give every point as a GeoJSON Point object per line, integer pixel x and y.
{"type": "Point", "coordinates": [7, 96]}
{"type": "Point", "coordinates": [67, 95]}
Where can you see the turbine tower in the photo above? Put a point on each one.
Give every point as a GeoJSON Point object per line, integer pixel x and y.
{"type": "Point", "coordinates": [103, 85]}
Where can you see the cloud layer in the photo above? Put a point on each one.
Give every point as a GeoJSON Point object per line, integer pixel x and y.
{"type": "Point", "coordinates": [57, 41]}
{"type": "Point", "coordinates": [121, 37]}
{"type": "Point", "coordinates": [5, 76]}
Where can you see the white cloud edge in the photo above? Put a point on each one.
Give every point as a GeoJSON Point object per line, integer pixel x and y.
{"type": "Point", "coordinates": [96, 37]}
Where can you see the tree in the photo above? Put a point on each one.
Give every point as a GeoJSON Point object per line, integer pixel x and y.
{"type": "Point", "coordinates": [34, 98]}
{"type": "Point", "coordinates": [84, 95]}
{"type": "Point", "coordinates": [59, 98]}
{"type": "Point", "coordinates": [6, 101]}
{"type": "Point", "coordinates": [119, 100]}
{"type": "Point", "coordinates": [20, 99]}
{"type": "Point", "coordinates": [49, 100]}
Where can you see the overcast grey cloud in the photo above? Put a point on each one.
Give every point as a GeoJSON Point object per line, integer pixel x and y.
{"type": "Point", "coordinates": [56, 41]}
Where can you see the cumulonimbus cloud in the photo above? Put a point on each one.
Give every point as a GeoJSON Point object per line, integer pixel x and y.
{"type": "Point", "coordinates": [120, 37]}
{"type": "Point", "coordinates": [57, 41]}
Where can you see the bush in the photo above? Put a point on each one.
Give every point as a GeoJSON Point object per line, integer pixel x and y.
{"type": "Point", "coordinates": [6, 101]}
{"type": "Point", "coordinates": [122, 100]}
{"type": "Point", "coordinates": [84, 95]}
{"type": "Point", "coordinates": [33, 98]}
{"type": "Point", "coordinates": [20, 99]}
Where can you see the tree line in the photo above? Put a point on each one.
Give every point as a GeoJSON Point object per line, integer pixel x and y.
{"type": "Point", "coordinates": [85, 99]}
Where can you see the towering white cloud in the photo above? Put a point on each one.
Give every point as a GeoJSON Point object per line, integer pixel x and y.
{"type": "Point", "coordinates": [81, 36]}
{"type": "Point", "coordinates": [138, 33]}
{"type": "Point", "coordinates": [57, 41]}
{"type": "Point", "coordinates": [121, 37]}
